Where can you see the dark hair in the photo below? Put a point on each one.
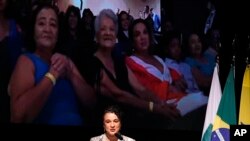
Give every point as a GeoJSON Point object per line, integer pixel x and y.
{"type": "Point", "coordinates": [30, 41]}
{"type": "Point", "coordinates": [84, 21]}
{"type": "Point", "coordinates": [169, 36]}
{"type": "Point", "coordinates": [150, 33]}
{"type": "Point", "coordinates": [120, 17]}
{"type": "Point", "coordinates": [122, 13]}
{"type": "Point", "coordinates": [87, 11]}
{"type": "Point", "coordinates": [166, 40]}
{"type": "Point", "coordinates": [75, 11]}
{"type": "Point", "coordinates": [186, 43]}
{"type": "Point", "coordinates": [114, 109]}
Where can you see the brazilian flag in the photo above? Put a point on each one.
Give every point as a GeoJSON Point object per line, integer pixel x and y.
{"type": "Point", "coordinates": [226, 114]}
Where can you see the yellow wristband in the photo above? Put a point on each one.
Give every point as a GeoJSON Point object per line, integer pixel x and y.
{"type": "Point", "coordinates": [151, 106]}
{"type": "Point", "coordinates": [51, 77]}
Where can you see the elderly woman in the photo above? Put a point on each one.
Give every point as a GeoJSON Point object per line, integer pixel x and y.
{"type": "Point", "coordinates": [112, 123]}
{"type": "Point", "coordinates": [114, 82]}
{"type": "Point", "coordinates": [46, 87]}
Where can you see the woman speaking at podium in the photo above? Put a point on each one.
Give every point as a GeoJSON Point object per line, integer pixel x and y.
{"type": "Point", "coordinates": [112, 125]}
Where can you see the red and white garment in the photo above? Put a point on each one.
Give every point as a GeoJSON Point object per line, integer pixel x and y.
{"type": "Point", "coordinates": [152, 78]}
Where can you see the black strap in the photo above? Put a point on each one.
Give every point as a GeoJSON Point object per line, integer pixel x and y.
{"type": "Point", "coordinates": [106, 70]}
{"type": "Point", "coordinates": [98, 82]}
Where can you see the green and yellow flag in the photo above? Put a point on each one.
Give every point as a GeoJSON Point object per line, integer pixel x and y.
{"type": "Point", "coordinates": [226, 114]}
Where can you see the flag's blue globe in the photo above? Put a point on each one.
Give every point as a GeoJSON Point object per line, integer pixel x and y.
{"type": "Point", "coordinates": [221, 134]}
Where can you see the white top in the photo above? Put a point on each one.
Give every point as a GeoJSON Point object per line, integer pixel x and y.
{"type": "Point", "coordinates": [184, 70]}
{"type": "Point", "coordinates": [125, 33]}
{"type": "Point", "coordinates": [103, 137]}
{"type": "Point", "coordinates": [165, 76]}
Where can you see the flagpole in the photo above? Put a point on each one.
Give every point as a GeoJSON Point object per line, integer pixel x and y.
{"type": "Point", "coordinates": [233, 65]}
{"type": "Point", "coordinates": [212, 106]}
{"type": "Point", "coordinates": [233, 59]}
{"type": "Point", "coordinates": [248, 51]}
{"type": "Point", "coordinates": [218, 56]}
{"type": "Point", "coordinates": [226, 113]}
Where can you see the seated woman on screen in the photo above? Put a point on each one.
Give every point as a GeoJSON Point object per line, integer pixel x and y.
{"type": "Point", "coordinates": [46, 87]}
{"type": "Point", "coordinates": [149, 69]}
{"type": "Point", "coordinates": [202, 63]}
{"type": "Point", "coordinates": [115, 83]}
{"type": "Point", "coordinates": [152, 72]}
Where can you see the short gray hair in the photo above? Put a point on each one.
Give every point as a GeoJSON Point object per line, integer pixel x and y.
{"type": "Point", "coordinates": [106, 13]}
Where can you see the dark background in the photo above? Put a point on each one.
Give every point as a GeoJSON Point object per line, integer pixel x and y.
{"type": "Point", "coordinates": [187, 15]}
{"type": "Point", "coordinates": [232, 18]}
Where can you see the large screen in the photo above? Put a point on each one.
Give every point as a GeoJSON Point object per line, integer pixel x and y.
{"type": "Point", "coordinates": [192, 107]}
